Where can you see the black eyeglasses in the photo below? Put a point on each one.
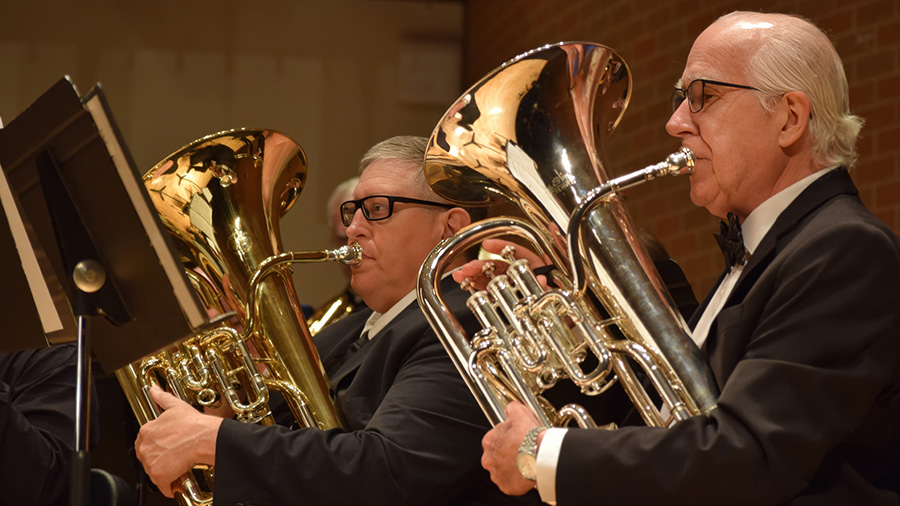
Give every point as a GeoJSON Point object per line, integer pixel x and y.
{"type": "Point", "coordinates": [380, 207]}
{"type": "Point", "coordinates": [696, 93]}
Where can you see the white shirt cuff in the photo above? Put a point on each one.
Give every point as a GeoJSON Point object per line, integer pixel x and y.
{"type": "Point", "coordinates": [547, 457]}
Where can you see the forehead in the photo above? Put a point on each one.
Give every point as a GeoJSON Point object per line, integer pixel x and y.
{"type": "Point", "coordinates": [385, 177]}
{"type": "Point", "coordinates": [720, 53]}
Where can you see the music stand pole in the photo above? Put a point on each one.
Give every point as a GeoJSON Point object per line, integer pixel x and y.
{"type": "Point", "coordinates": [88, 276]}
{"type": "Point", "coordinates": [80, 466]}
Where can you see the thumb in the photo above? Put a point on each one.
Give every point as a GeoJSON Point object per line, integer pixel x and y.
{"type": "Point", "coordinates": [163, 399]}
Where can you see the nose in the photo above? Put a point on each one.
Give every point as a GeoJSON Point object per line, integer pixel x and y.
{"type": "Point", "coordinates": [357, 226]}
{"type": "Point", "coordinates": [681, 123]}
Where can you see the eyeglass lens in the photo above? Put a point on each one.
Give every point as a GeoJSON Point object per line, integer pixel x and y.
{"type": "Point", "coordinates": [374, 208]}
{"type": "Point", "coordinates": [693, 93]}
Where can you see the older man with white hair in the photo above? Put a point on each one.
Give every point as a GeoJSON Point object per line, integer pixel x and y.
{"type": "Point", "coordinates": [802, 332]}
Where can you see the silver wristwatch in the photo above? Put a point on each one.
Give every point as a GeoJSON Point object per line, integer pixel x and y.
{"type": "Point", "coordinates": [526, 460]}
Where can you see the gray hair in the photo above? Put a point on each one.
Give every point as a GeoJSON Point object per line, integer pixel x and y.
{"type": "Point", "coordinates": [409, 149]}
{"type": "Point", "coordinates": [798, 56]}
{"type": "Point", "coordinates": [404, 149]}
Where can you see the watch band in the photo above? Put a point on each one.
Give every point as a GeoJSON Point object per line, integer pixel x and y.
{"type": "Point", "coordinates": [526, 460]}
{"type": "Point", "coordinates": [529, 444]}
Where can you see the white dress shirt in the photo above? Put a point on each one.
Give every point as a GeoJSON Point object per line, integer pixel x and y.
{"type": "Point", "coordinates": [378, 321]}
{"type": "Point", "coordinates": [753, 229]}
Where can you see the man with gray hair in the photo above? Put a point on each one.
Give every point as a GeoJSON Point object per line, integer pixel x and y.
{"type": "Point", "coordinates": [413, 428]}
{"type": "Point", "coordinates": [801, 332]}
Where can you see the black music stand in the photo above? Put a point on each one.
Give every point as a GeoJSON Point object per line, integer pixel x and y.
{"type": "Point", "coordinates": [45, 315]}
{"type": "Point", "coordinates": [80, 220]}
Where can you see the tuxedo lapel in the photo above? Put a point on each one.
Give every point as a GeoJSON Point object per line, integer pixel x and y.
{"type": "Point", "coordinates": [827, 187]}
{"type": "Point", "coordinates": [352, 361]}
{"type": "Point", "coordinates": [836, 182]}
{"type": "Point", "coordinates": [344, 366]}
{"type": "Point", "coordinates": [333, 341]}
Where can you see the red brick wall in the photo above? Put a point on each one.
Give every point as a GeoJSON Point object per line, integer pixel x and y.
{"type": "Point", "coordinates": [654, 37]}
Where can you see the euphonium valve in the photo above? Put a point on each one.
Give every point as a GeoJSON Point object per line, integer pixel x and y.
{"type": "Point", "coordinates": [532, 132]}
{"type": "Point", "coordinates": [221, 199]}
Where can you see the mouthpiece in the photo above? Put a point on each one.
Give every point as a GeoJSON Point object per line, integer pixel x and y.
{"type": "Point", "coordinates": [350, 254]}
{"type": "Point", "coordinates": [681, 163]}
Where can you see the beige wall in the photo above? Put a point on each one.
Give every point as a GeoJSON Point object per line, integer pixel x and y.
{"type": "Point", "coordinates": [337, 76]}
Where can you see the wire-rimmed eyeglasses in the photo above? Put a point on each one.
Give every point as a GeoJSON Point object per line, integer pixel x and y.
{"type": "Point", "coordinates": [380, 207]}
{"type": "Point", "coordinates": [696, 93]}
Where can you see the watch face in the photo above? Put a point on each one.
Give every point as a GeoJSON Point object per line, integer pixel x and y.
{"type": "Point", "coordinates": [527, 465]}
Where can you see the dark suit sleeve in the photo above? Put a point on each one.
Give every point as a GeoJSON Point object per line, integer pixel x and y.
{"type": "Point", "coordinates": [419, 446]}
{"type": "Point", "coordinates": [813, 348]}
{"type": "Point", "coordinates": [37, 424]}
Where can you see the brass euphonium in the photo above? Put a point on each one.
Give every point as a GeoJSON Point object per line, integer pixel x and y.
{"type": "Point", "coordinates": [532, 132]}
{"type": "Point", "coordinates": [221, 199]}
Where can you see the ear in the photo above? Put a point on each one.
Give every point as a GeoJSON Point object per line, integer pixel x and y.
{"type": "Point", "coordinates": [456, 219]}
{"type": "Point", "coordinates": [796, 123]}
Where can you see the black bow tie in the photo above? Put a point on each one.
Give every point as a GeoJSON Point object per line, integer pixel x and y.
{"type": "Point", "coordinates": [731, 242]}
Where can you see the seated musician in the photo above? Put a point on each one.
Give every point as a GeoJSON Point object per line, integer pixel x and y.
{"type": "Point", "coordinates": [37, 425]}
{"type": "Point", "coordinates": [413, 428]}
{"type": "Point", "coordinates": [800, 332]}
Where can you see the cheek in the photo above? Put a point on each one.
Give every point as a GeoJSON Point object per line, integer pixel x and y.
{"type": "Point", "coordinates": [412, 249]}
{"type": "Point", "coordinates": [703, 188]}
{"type": "Point", "coordinates": [727, 149]}
{"type": "Point", "coordinates": [736, 142]}
{"type": "Point", "coordinates": [392, 250]}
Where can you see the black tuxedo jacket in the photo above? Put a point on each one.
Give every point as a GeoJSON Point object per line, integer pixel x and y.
{"type": "Point", "coordinates": [806, 354]}
{"type": "Point", "coordinates": [413, 437]}
{"type": "Point", "coordinates": [37, 420]}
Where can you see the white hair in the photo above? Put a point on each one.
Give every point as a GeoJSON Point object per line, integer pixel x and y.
{"type": "Point", "coordinates": [341, 193]}
{"type": "Point", "coordinates": [796, 55]}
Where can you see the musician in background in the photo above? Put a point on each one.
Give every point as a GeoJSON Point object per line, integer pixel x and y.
{"type": "Point", "coordinates": [37, 425]}
{"type": "Point", "coordinates": [413, 428]}
{"type": "Point", "coordinates": [672, 276]}
{"type": "Point", "coordinates": [801, 332]}
{"type": "Point", "coordinates": [341, 193]}
{"type": "Point", "coordinates": [347, 301]}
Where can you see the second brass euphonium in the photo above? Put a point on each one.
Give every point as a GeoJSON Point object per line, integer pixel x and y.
{"type": "Point", "coordinates": [221, 199]}
{"type": "Point", "coordinates": [532, 132]}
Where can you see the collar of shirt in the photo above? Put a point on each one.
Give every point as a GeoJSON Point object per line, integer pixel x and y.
{"type": "Point", "coordinates": [378, 321]}
{"type": "Point", "coordinates": [761, 219]}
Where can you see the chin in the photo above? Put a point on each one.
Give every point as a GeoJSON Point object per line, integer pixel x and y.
{"type": "Point", "coordinates": [716, 211]}
{"type": "Point", "coordinates": [697, 200]}
{"type": "Point", "coordinates": [358, 285]}
{"type": "Point", "coordinates": [702, 195]}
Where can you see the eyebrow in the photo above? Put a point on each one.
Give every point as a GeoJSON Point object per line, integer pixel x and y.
{"type": "Point", "coordinates": [680, 82]}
